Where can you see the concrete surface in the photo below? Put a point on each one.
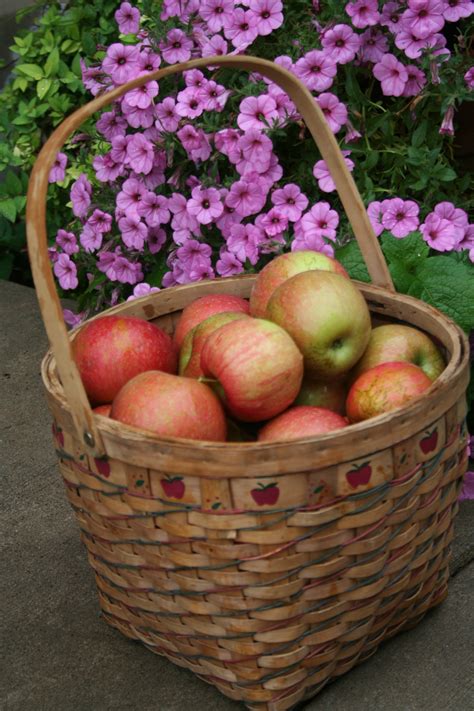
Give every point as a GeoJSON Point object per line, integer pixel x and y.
{"type": "Point", "coordinates": [58, 655]}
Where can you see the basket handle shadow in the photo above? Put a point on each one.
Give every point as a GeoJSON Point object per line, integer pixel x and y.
{"type": "Point", "coordinates": [49, 303]}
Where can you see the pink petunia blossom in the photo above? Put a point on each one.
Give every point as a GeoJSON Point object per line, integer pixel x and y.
{"type": "Point", "coordinates": [454, 10]}
{"type": "Point", "coordinates": [416, 81]}
{"type": "Point", "coordinates": [93, 78]}
{"type": "Point", "coordinates": [341, 43]}
{"type": "Point", "coordinates": [66, 272]}
{"type": "Point", "coordinates": [274, 222]}
{"type": "Point", "coordinates": [268, 14]}
{"type": "Point", "coordinates": [148, 61]}
{"type": "Point", "coordinates": [439, 233]}
{"type": "Point", "coordinates": [167, 117]}
{"type": "Point", "coordinates": [142, 289]}
{"type": "Point", "coordinates": [214, 46]}
{"type": "Point", "coordinates": [245, 198]}
{"type": "Point", "coordinates": [228, 264]}
{"type": "Point", "coordinates": [127, 272]}
{"type": "Point", "coordinates": [392, 74]}
{"type": "Point", "coordinates": [213, 96]}
{"type": "Point", "coordinates": [189, 104]}
{"type": "Point", "coordinates": [205, 205]}
{"type": "Point", "coordinates": [469, 78]}
{"type": "Point", "coordinates": [257, 112]}
{"type": "Point", "coordinates": [216, 12]}
{"type": "Point", "coordinates": [412, 45]}
{"type": "Point", "coordinates": [119, 152]}
{"type": "Point", "coordinates": [130, 196]}
{"type": "Point", "coordinates": [390, 16]}
{"type": "Point", "coordinates": [67, 241]}
{"type": "Point", "coordinates": [183, 9]}
{"type": "Point", "coordinates": [121, 62]}
{"type": "Point", "coordinates": [241, 28]}
{"type": "Point", "coordinates": [195, 142]}
{"type": "Point", "coordinates": [320, 221]}
{"type": "Point", "coordinates": [244, 241]}
{"type": "Point", "coordinates": [106, 169]}
{"type": "Point", "coordinates": [72, 319]}
{"type": "Point", "coordinates": [80, 195]}
{"type": "Point", "coordinates": [156, 239]}
{"type": "Point", "coordinates": [334, 110]}
{"type": "Point", "coordinates": [272, 175]}
{"type": "Point", "coordinates": [423, 17]}
{"type": "Point", "coordinates": [142, 97]}
{"type": "Point", "coordinates": [323, 176]}
{"type": "Point", "coordinates": [312, 240]}
{"type": "Point", "coordinates": [133, 231]}
{"type": "Point", "coordinates": [100, 221]}
{"type": "Point", "coordinates": [182, 220]}
{"type": "Point", "coordinates": [316, 69]}
{"type": "Point", "coordinates": [363, 13]}
{"type": "Point", "coordinates": [467, 241]}
{"type": "Point", "coordinates": [90, 239]}
{"type": "Point", "coordinates": [177, 47]}
{"type": "Point", "coordinates": [447, 125]}
{"type": "Point", "coordinates": [375, 213]}
{"type": "Point", "coordinates": [256, 150]}
{"type": "Point", "coordinates": [226, 141]}
{"type": "Point", "coordinates": [352, 134]}
{"type": "Point", "coordinates": [111, 125]}
{"type": "Point", "coordinates": [373, 46]}
{"type": "Point", "coordinates": [290, 201]}
{"type": "Point", "coordinates": [127, 18]}
{"type": "Point", "coordinates": [154, 209]}
{"type": "Point", "coordinates": [136, 117]}
{"type": "Point", "coordinates": [285, 107]}
{"type": "Point", "coordinates": [456, 216]}
{"type": "Point", "coordinates": [192, 254]}
{"type": "Point", "coordinates": [58, 169]}
{"type": "Point", "coordinates": [140, 154]}
{"type": "Point", "coordinates": [400, 217]}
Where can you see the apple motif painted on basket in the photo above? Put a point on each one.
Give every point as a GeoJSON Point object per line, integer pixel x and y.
{"type": "Point", "coordinates": [359, 475]}
{"type": "Point", "coordinates": [429, 443]}
{"type": "Point", "coordinates": [103, 466]}
{"type": "Point", "coordinates": [173, 487]}
{"type": "Point", "coordinates": [266, 495]}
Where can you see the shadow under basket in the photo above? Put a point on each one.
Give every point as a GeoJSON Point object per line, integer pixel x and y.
{"type": "Point", "coordinates": [268, 569]}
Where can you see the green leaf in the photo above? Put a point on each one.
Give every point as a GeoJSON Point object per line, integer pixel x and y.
{"type": "Point", "coordinates": [30, 70]}
{"type": "Point", "coordinates": [12, 184]}
{"type": "Point", "coordinates": [42, 87]}
{"type": "Point", "coordinates": [409, 249]}
{"type": "Point", "coordinates": [52, 63]}
{"type": "Point", "coordinates": [419, 134]}
{"type": "Point", "coordinates": [351, 259]}
{"type": "Point", "coordinates": [88, 42]}
{"type": "Point", "coordinates": [446, 174]}
{"type": "Point", "coordinates": [8, 209]}
{"type": "Point", "coordinates": [6, 266]}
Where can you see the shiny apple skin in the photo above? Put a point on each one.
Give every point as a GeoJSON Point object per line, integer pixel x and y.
{"type": "Point", "coordinates": [301, 421]}
{"type": "Point", "coordinates": [327, 317]}
{"type": "Point", "coordinates": [190, 354]}
{"type": "Point", "coordinates": [396, 342]}
{"type": "Point", "coordinates": [330, 395]}
{"type": "Point", "coordinates": [257, 366]}
{"type": "Point", "coordinates": [200, 309]}
{"type": "Point", "coordinates": [384, 388]}
{"type": "Point", "coordinates": [282, 268]}
{"type": "Point", "coordinates": [111, 350]}
{"type": "Point", "coordinates": [171, 406]}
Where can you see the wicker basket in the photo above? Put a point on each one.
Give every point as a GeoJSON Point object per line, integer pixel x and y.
{"type": "Point", "coordinates": [267, 601]}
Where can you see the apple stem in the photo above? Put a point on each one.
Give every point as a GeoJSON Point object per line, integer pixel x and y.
{"type": "Point", "coordinates": [202, 379]}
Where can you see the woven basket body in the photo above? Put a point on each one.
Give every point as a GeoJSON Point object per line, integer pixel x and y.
{"type": "Point", "coordinates": [267, 569]}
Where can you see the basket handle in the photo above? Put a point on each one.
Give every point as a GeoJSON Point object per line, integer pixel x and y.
{"type": "Point", "coordinates": [49, 303]}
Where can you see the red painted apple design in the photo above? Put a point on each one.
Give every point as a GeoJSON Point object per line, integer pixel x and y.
{"type": "Point", "coordinates": [430, 442]}
{"type": "Point", "coordinates": [58, 434]}
{"type": "Point", "coordinates": [173, 487]}
{"type": "Point", "coordinates": [359, 475]}
{"type": "Point", "coordinates": [266, 495]}
{"type": "Point", "coordinates": [103, 466]}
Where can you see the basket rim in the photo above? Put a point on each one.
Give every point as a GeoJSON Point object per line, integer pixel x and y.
{"type": "Point", "coordinates": [442, 390]}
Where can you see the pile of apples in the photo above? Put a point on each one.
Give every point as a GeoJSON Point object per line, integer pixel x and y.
{"type": "Point", "coordinates": [299, 359]}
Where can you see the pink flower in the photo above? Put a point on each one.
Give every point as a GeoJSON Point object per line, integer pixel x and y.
{"type": "Point", "coordinates": [189, 103]}
{"type": "Point", "coordinates": [423, 17]}
{"type": "Point", "coordinates": [363, 13]}
{"type": "Point", "coordinates": [156, 239]}
{"type": "Point", "coordinates": [290, 201]}
{"type": "Point", "coordinates": [140, 153]}
{"type": "Point", "coordinates": [73, 319]}
{"type": "Point", "coordinates": [177, 47]}
{"type": "Point", "coordinates": [245, 198]}
{"type": "Point", "coordinates": [373, 46]}
{"type": "Point", "coordinates": [455, 9]}
{"type": "Point", "coordinates": [205, 205]}
{"type": "Point", "coordinates": [467, 488]}
{"type": "Point", "coordinates": [129, 198]}
{"type": "Point", "coordinates": [80, 195]}
{"type": "Point", "coordinates": [375, 213]}
{"type": "Point", "coordinates": [214, 46]}
{"type": "Point", "coordinates": [213, 96]}
{"type": "Point", "coordinates": [167, 118]}
{"type": "Point", "coordinates": [125, 271]}
{"type": "Point", "coordinates": [142, 289]}
{"type": "Point", "coordinates": [58, 169]}
{"type": "Point", "coordinates": [216, 12]}
{"type": "Point", "coordinates": [111, 125]}
{"type": "Point", "coordinates": [352, 134]}
{"type": "Point", "coordinates": [469, 78]}
{"type": "Point", "coordinates": [316, 69]}
{"type": "Point", "coordinates": [121, 62]}
{"type": "Point", "coordinates": [106, 169]}
{"type": "Point", "coordinates": [66, 272]}
{"type": "Point", "coordinates": [142, 97]}
{"type": "Point", "coordinates": [416, 81]}
{"type": "Point", "coordinates": [93, 78]}
{"type": "Point", "coordinates": [195, 142]}
{"type": "Point", "coordinates": [240, 28]}
{"type": "Point", "coordinates": [257, 112]}
{"type": "Point", "coordinates": [334, 111]}
{"type": "Point", "coordinates": [193, 254]}
{"type": "Point", "coordinates": [400, 217]}
{"type": "Point", "coordinates": [410, 43]}
{"type": "Point", "coordinates": [244, 241]}
{"type": "Point", "coordinates": [67, 241]}
{"type": "Point", "coordinates": [256, 149]}
{"type": "Point", "coordinates": [341, 43]}
{"type": "Point", "coordinates": [456, 216]}
{"type": "Point", "coordinates": [182, 220]}
{"type": "Point", "coordinates": [136, 117]}
{"type": "Point", "coordinates": [154, 209]}
{"type": "Point", "coordinates": [390, 16]}
{"type": "Point", "coordinates": [100, 221]}
{"type": "Point", "coordinates": [148, 61]}
{"type": "Point", "coordinates": [268, 14]}
{"type": "Point", "coordinates": [447, 125]}
{"type": "Point", "coordinates": [226, 140]}
{"type": "Point", "coordinates": [392, 74]}
{"type": "Point", "coordinates": [127, 19]}
{"type": "Point", "coordinates": [323, 176]}
{"type": "Point", "coordinates": [439, 233]}
{"type": "Point", "coordinates": [228, 264]}
{"type": "Point", "coordinates": [119, 149]}
{"type": "Point", "coordinates": [320, 221]}
{"type": "Point", "coordinates": [274, 222]}
{"type": "Point", "coordinates": [133, 231]}
{"type": "Point", "coordinates": [91, 239]}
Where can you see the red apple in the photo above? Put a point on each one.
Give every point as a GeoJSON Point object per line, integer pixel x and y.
{"type": "Point", "coordinates": [384, 388]}
{"type": "Point", "coordinates": [301, 421]}
{"type": "Point", "coordinates": [328, 319]}
{"type": "Point", "coordinates": [257, 366]}
{"type": "Point", "coordinates": [170, 406]}
{"type": "Point", "coordinates": [103, 410]}
{"type": "Point", "coordinates": [330, 395]}
{"type": "Point", "coordinates": [173, 487]}
{"type": "Point", "coordinates": [282, 268]}
{"type": "Point", "coordinates": [111, 350]}
{"type": "Point", "coordinates": [266, 494]}
{"type": "Point", "coordinates": [202, 308]}
{"type": "Point", "coordinates": [359, 475]}
{"type": "Point", "coordinates": [430, 442]}
{"type": "Point", "coordinates": [396, 342]}
{"type": "Point", "coordinates": [190, 354]}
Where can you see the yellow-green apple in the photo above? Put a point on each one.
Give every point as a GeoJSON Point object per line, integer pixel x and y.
{"type": "Point", "coordinates": [282, 268]}
{"type": "Point", "coordinates": [190, 353]}
{"type": "Point", "coordinates": [384, 388]}
{"type": "Point", "coordinates": [170, 406]}
{"type": "Point", "coordinates": [256, 366]}
{"type": "Point", "coordinates": [396, 342]}
{"type": "Point", "coordinates": [301, 421]}
{"type": "Point", "coordinates": [111, 350]}
{"type": "Point", "coordinates": [327, 317]}
{"type": "Point", "coordinates": [202, 308]}
{"type": "Point", "coordinates": [328, 394]}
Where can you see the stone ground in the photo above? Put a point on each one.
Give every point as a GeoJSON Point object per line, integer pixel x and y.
{"type": "Point", "coordinates": [58, 655]}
